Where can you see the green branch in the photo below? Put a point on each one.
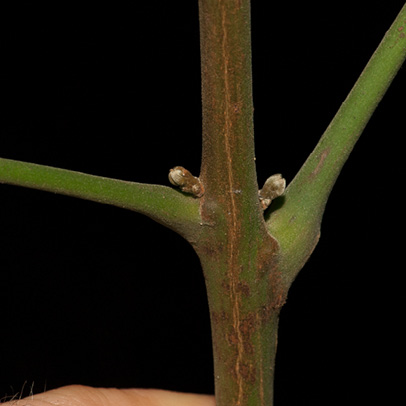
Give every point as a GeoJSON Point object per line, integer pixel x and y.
{"type": "Point", "coordinates": [163, 204]}
{"type": "Point", "coordinates": [295, 219]}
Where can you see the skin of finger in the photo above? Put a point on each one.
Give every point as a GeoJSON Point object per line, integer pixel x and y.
{"type": "Point", "coordinates": [77, 395]}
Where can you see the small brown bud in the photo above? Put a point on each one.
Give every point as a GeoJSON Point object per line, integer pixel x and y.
{"type": "Point", "coordinates": [274, 187]}
{"type": "Point", "coordinates": [186, 182]}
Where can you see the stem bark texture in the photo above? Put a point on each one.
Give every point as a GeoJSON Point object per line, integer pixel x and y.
{"type": "Point", "coordinates": [237, 253]}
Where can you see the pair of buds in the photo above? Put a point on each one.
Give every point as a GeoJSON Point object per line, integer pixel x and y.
{"type": "Point", "coordinates": [187, 183]}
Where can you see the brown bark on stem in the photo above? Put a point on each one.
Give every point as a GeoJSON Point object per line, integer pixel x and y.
{"type": "Point", "coordinates": [237, 254]}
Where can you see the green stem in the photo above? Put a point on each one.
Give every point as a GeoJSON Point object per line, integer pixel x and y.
{"type": "Point", "coordinates": [163, 204]}
{"type": "Point", "coordinates": [295, 219]}
{"type": "Point", "coordinates": [236, 251]}
{"type": "Point", "coordinates": [228, 155]}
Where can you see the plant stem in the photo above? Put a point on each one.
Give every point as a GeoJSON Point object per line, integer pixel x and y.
{"type": "Point", "coordinates": [248, 263]}
{"type": "Point", "coordinates": [295, 219]}
{"type": "Point", "coordinates": [236, 251]}
{"type": "Point", "coordinates": [163, 204]}
{"type": "Point", "coordinates": [228, 133]}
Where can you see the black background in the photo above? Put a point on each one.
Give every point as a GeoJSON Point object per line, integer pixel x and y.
{"type": "Point", "coordinates": [95, 295]}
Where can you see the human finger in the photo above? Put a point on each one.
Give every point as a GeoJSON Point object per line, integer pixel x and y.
{"type": "Point", "coordinates": [77, 395]}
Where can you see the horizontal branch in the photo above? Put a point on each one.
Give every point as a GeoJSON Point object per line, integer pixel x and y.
{"type": "Point", "coordinates": [295, 219]}
{"type": "Point", "coordinates": [163, 204]}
